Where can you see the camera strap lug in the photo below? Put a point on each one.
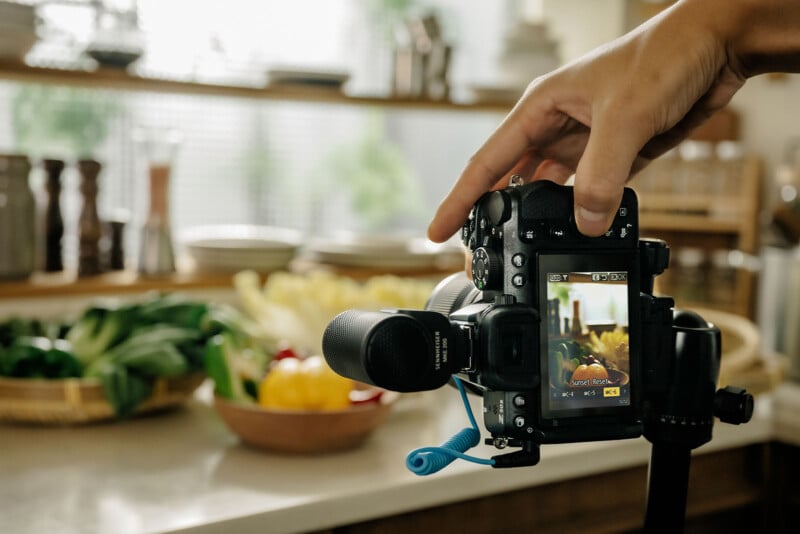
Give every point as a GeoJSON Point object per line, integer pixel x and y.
{"type": "Point", "coordinates": [515, 180]}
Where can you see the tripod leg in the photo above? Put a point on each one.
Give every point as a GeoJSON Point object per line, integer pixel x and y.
{"type": "Point", "coordinates": [667, 485]}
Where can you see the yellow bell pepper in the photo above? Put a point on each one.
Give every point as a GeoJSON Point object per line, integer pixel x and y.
{"type": "Point", "coordinates": [304, 384]}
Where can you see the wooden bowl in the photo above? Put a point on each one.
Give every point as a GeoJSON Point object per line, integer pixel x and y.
{"type": "Point", "coordinates": [304, 432]}
{"type": "Point", "coordinates": [79, 400]}
{"type": "Point", "coordinates": [741, 339]}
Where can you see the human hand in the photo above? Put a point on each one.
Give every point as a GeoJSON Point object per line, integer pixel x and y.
{"type": "Point", "coordinates": [608, 114]}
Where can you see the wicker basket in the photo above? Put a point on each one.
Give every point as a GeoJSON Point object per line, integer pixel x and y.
{"type": "Point", "coordinates": [74, 401]}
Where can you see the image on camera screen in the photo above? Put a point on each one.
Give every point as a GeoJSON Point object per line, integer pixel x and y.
{"type": "Point", "coordinates": [587, 337]}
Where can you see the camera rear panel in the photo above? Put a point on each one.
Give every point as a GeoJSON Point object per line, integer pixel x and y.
{"type": "Point", "coordinates": [525, 242]}
{"type": "Point", "coordinates": [507, 228]}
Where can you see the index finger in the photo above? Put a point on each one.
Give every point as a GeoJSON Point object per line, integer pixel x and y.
{"type": "Point", "coordinates": [498, 155]}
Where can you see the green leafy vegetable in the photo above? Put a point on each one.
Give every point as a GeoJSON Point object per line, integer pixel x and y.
{"type": "Point", "coordinates": [220, 365]}
{"type": "Point", "coordinates": [98, 329]}
{"type": "Point", "coordinates": [127, 347]}
{"type": "Point", "coordinates": [38, 357]}
{"type": "Point", "coordinates": [154, 335]}
{"type": "Point", "coordinates": [124, 389]}
{"type": "Point", "coordinates": [174, 309]}
{"type": "Point", "coordinates": [158, 359]}
{"type": "Point", "coordinates": [16, 327]}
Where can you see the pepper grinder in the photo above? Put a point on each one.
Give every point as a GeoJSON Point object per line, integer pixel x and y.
{"type": "Point", "coordinates": [116, 252]}
{"type": "Point", "coordinates": [89, 227]}
{"type": "Point", "coordinates": [53, 222]}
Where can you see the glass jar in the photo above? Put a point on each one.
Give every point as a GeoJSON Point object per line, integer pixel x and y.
{"type": "Point", "coordinates": [697, 168]}
{"type": "Point", "coordinates": [730, 155]}
{"type": "Point", "coordinates": [661, 175]}
{"type": "Point", "coordinates": [722, 278]}
{"type": "Point", "coordinates": [689, 276]}
{"type": "Point", "coordinates": [17, 218]}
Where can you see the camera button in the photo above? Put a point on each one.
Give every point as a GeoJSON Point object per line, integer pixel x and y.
{"type": "Point", "coordinates": [527, 235]}
{"type": "Point", "coordinates": [520, 401]}
{"type": "Point", "coordinates": [518, 260]}
{"type": "Point", "coordinates": [519, 421]}
{"type": "Point", "coordinates": [518, 280]}
{"type": "Point", "coordinates": [558, 231]}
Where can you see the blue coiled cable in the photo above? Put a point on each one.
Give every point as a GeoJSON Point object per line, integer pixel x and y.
{"type": "Point", "coordinates": [428, 460]}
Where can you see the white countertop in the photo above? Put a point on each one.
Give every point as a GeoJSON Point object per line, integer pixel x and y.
{"type": "Point", "coordinates": [184, 472]}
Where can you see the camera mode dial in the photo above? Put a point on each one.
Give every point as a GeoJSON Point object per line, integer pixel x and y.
{"type": "Point", "coordinates": [487, 269]}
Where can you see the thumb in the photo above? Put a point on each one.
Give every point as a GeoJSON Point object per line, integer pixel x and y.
{"type": "Point", "coordinates": [602, 172]}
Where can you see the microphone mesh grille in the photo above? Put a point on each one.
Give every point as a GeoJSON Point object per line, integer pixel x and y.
{"type": "Point", "coordinates": [400, 353]}
{"type": "Point", "coordinates": [388, 350]}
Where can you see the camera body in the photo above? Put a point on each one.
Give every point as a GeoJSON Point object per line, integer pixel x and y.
{"type": "Point", "coordinates": [549, 293]}
{"type": "Point", "coordinates": [559, 332]}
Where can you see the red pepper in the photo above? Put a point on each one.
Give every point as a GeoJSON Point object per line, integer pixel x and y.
{"type": "Point", "coordinates": [284, 353]}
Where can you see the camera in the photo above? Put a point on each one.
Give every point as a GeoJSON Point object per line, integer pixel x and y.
{"type": "Point", "coordinates": [559, 332]}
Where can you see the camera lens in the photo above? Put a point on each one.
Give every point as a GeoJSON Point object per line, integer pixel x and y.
{"type": "Point", "coordinates": [400, 351]}
{"type": "Point", "coordinates": [453, 293]}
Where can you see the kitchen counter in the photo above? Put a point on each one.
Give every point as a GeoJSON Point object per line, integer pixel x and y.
{"type": "Point", "coordinates": [183, 471]}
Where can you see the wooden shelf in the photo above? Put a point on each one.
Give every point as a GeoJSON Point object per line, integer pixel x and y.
{"type": "Point", "coordinates": [128, 282]}
{"type": "Point", "coordinates": [679, 222]}
{"type": "Point", "coordinates": [67, 283]}
{"type": "Point", "coordinates": [107, 78]}
{"type": "Point", "coordinates": [710, 222]}
{"type": "Point", "coordinates": [734, 215]}
{"type": "Point", "coordinates": [702, 203]}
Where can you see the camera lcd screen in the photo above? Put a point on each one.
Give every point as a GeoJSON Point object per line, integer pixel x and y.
{"type": "Point", "coordinates": [588, 348]}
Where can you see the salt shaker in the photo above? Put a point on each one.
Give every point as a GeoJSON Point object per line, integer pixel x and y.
{"type": "Point", "coordinates": [156, 255]}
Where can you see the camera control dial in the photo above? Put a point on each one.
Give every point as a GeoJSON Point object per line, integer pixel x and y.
{"type": "Point", "coordinates": [498, 207]}
{"type": "Point", "coordinates": [655, 255]}
{"type": "Point", "coordinates": [487, 268]}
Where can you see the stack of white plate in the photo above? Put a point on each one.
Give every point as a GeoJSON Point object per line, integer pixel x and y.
{"type": "Point", "coordinates": [331, 79]}
{"type": "Point", "coordinates": [384, 252]}
{"type": "Point", "coordinates": [232, 248]}
{"type": "Point", "coordinates": [17, 29]}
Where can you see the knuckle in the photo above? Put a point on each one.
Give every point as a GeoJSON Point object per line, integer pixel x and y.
{"type": "Point", "coordinates": [599, 195]}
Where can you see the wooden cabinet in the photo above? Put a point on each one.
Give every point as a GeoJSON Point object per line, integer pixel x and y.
{"type": "Point", "coordinates": [713, 236]}
{"type": "Point", "coordinates": [748, 489]}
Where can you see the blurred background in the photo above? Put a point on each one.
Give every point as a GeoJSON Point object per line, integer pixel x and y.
{"type": "Point", "coordinates": [251, 168]}
{"type": "Point", "coordinates": [350, 118]}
